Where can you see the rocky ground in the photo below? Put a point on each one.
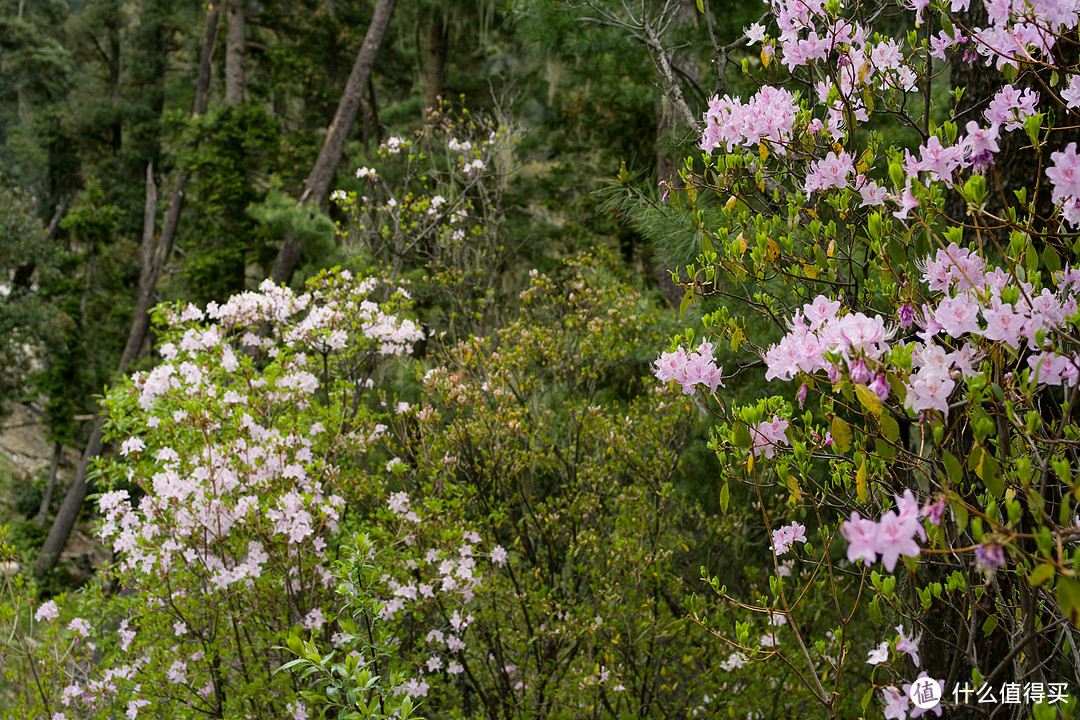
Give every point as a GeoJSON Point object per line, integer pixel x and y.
{"type": "Point", "coordinates": [25, 454]}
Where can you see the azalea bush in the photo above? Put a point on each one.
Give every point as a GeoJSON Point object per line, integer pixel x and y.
{"type": "Point", "coordinates": [551, 552]}
{"type": "Point", "coordinates": [243, 459]}
{"type": "Point", "coordinates": [298, 534]}
{"type": "Point", "coordinates": [431, 209]}
{"type": "Point", "coordinates": [919, 331]}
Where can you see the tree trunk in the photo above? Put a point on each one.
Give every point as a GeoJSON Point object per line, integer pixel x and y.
{"type": "Point", "coordinates": [436, 67]}
{"type": "Point", "coordinates": [235, 40]}
{"type": "Point", "coordinates": [116, 130]}
{"type": "Point", "coordinates": [317, 185]}
{"type": "Point", "coordinates": [150, 271]}
{"type": "Point", "coordinates": [46, 499]}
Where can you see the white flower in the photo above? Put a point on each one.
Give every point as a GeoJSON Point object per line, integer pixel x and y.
{"type": "Point", "coordinates": [879, 654]}
{"type": "Point", "coordinates": [132, 444]}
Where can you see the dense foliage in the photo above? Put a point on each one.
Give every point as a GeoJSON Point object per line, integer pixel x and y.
{"type": "Point", "coordinates": [457, 465]}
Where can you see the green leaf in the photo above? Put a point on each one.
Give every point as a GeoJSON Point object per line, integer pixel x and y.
{"type": "Point", "coordinates": [1051, 259]}
{"type": "Point", "coordinates": [1032, 126]}
{"type": "Point", "coordinates": [1068, 596]}
{"type": "Point", "coordinates": [687, 299]}
{"type": "Point", "coordinates": [960, 511]}
{"type": "Point", "coordinates": [742, 435]}
{"type": "Point", "coordinates": [701, 6]}
{"type": "Point", "coordinates": [952, 467]}
{"type": "Point", "coordinates": [867, 697]}
{"type": "Point", "coordinates": [1042, 574]}
{"type": "Point", "coordinates": [989, 472]}
{"type": "Point", "coordinates": [724, 497]}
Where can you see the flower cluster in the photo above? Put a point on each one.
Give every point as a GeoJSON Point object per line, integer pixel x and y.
{"type": "Point", "coordinates": [783, 538]}
{"type": "Point", "coordinates": [975, 305]}
{"type": "Point", "coordinates": [768, 435]}
{"type": "Point", "coordinates": [690, 369]}
{"type": "Point", "coordinates": [890, 537]}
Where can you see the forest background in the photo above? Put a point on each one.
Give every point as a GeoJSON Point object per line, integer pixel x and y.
{"type": "Point", "coordinates": [439, 470]}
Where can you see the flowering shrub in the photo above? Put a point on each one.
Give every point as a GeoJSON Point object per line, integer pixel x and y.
{"type": "Point", "coordinates": [940, 346]}
{"type": "Point", "coordinates": [432, 211]}
{"type": "Point", "coordinates": [242, 458]}
{"type": "Point", "coordinates": [545, 567]}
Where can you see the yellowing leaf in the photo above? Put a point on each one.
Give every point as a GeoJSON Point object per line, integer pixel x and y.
{"type": "Point", "coordinates": [841, 434]}
{"type": "Point", "coordinates": [773, 248]}
{"type": "Point", "coordinates": [860, 483]}
{"type": "Point", "coordinates": [809, 271]}
{"type": "Point", "coordinates": [890, 428]}
{"type": "Point", "coordinates": [794, 489]}
{"type": "Point", "coordinates": [763, 151]}
{"type": "Point", "coordinates": [831, 249]}
{"type": "Point", "coordinates": [742, 243]}
{"type": "Point", "coordinates": [737, 336]}
{"type": "Point", "coordinates": [868, 398]}
{"type": "Point", "coordinates": [766, 57]}
{"type": "Point", "coordinates": [865, 70]}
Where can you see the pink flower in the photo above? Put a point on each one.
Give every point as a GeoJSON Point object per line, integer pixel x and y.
{"type": "Point", "coordinates": [871, 193]}
{"type": "Point", "coordinates": [929, 391]}
{"type": "Point", "coordinates": [690, 369]}
{"type": "Point", "coordinates": [907, 645]}
{"type": "Point", "coordinates": [1011, 107]}
{"type": "Point", "coordinates": [498, 555]}
{"type": "Point", "coordinates": [80, 626]}
{"type": "Point", "coordinates": [907, 202]}
{"type": "Point", "coordinates": [989, 557]}
{"type": "Point", "coordinates": [830, 172]}
{"type": "Point", "coordinates": [820, 311]}
{"type": "Point", "coordinates": [894, 539]}
{"type": "Point", "coordinates": [935, 511]}
{"type": "Point", "coordinates": [896, 703]}
{"type": "Point", "coordinates": [938, 161]}
{"type": "Point", "coordinates": [981, 143]}
{"type": "Point", "coordinates": [958, 315]}
{"type": "Point", "coordinates": [132, 444]}
{"type": "Point", "coordinates": [861, 535]}
{"type": "Point", "coordinates": [880, 386]}
{"type": "Point", "coordinates": [1071, 94]}
{"type": "Point", "coordinates": [47, 611]}
{"type": "Point", "coordinates": [768, 435]}
{"type": "Point", "coordinates": [785, 537]}
{"type": "Point", "coordinates": [1064, 174]}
